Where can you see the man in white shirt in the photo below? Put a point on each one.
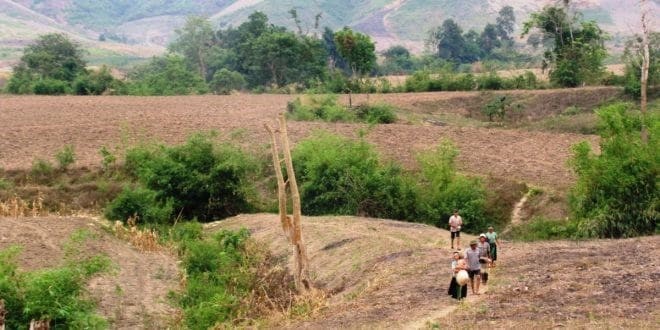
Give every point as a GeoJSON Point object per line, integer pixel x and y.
{"type": "Point", "coordinates": [455, 223]}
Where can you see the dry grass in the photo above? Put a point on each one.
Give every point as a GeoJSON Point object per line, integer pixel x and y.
{"type": "Point", "coordinates": [17, 207]}
{"type": "Point", "coordinates": [142, 239]}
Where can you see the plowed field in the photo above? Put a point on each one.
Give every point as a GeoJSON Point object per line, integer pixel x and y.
{"type": "Point", "coordinates": [37, 127]}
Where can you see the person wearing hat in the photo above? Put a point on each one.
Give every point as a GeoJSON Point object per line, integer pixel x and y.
{"type": "Point", "coordinates": [457, 290]}
{"type": "Point", "coordinates": [455, 223]}
{"type": "Point", "coordinates": [474, 267]}
{"type": "Point", "coordinates": [491, 235]}
{"type": "Point", "coordinates": [484, 256]}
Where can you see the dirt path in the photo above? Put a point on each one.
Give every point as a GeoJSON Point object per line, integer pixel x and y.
{"type": "Point", "coordinates": [516, 214]}
{"type": "Point", "coordinates": [132, 296]}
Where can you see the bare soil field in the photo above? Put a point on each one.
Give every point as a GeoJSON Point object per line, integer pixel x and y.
{"type": "Point", "coordinates": [37, 127]}
{"type": "Point", "coordinates": [390, 274]}
{"type": "Point", "coordinates": [133, 295]}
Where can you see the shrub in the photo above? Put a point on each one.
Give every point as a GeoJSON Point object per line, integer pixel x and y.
{"type": "Point", "coordinates": [108, 159]}
{"type": "Point", "coordinates": [139, 202]}
{"type": "Point", "coordinates": [497, 107]}
{"type": "Point", "coordinates": [376, 113]}
{"type": "Point", "coordinates": [323, 108]}
{"type": "Point", "coordinates": [490, 81]}
{"type": "Point", "coordinates": [223, 280]}
{"type": "Point", "coordinates": [94, 83]}
{"type": "Point", "coordinates": [42, 170]}
{"type": "Point", "coordinates": [541, 229]}
{"type": "Point", "coordinates": [50, 87]}
{"type": "Point", "coordinates": [348, 178]}
{"type": "Point", "coordinates": [616, 194]}
{"type": "Point", "coordinates": [418, 82]}
{"type": "Point", "coordinates": [225, 81]}
{"type": "Point", "coordinates": [441, 190]}
{"type": "Point", "coordinates": [65, 157]}
{"type": "Point", "coordinates": [55, 294]}
{"type": "Point", "coordinates": [200, 178]}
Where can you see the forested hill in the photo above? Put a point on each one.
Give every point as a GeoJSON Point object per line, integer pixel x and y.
{"type": "Point", "coordinates": [151, 23]}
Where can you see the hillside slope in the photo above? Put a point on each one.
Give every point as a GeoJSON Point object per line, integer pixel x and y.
{"type": "Point", "coordinates": [152, 23]}
{"type": "Point", "coordinates": [391, 274]}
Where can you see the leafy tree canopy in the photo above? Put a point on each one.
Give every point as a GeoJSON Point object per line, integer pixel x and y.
{"type": "Point", "coordinates": [357, 49]}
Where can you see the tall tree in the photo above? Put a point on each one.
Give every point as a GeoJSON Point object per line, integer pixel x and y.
{"type": "Point", "coordinates": [645, 65]}
{"type": "Point", "coordinates": [449, 42]}
{"type": "Point", "coordinates": [505, 23]}
{"type": "Point", "coordinates": [488, 40]}
{"type": "Point", "coordinates": [578, 49]}
{"type": "Point", "coordinates": [357, 49]}
{"type": "Point", "coordinates": [195, 42]}
{"type": "Point", "coordinates": [54, 56]}
{"type": "Point", "coordinates": [336, 61]}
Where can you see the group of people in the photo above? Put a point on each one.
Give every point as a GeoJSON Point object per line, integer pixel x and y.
{"type": "Point", "coordinates": [476, 261]}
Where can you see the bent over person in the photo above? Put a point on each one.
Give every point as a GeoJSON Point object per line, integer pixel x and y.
{"type": "Point", "coordinates": [455, 223]}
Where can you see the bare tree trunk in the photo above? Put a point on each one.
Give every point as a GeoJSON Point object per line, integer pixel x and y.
{"type": "Point", "coordinates": [287, 226]}
{"type": "Point", "coordinates": [645, 66]}
{"type": "Point", "coordinates": [3, 314]}
{"type": "Point", "coordinates": [302, 271]}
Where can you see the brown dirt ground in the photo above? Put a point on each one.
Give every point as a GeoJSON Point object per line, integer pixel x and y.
{"type": "Point", "coordinates": [131, 296]}
{"type": "Point", "coordinates": [36, 127]}
{"type": "Point", "coordinates": [389, 274]}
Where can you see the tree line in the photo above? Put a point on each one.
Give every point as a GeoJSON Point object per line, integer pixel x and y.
{"type": "Point", "coordinates": [262, 57]}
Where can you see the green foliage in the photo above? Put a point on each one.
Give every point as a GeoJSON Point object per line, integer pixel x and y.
{"type": "Point", "coordinates": [42, 170]}
{"type": "Point", "coordinates": [225, 81]}
{"type": "Point", "coordinates": [441, 190]}
{"type": "Point", "coordinates": [578, 51]}
{"type": "Point", "coordinates": [447, 80]}
{"type": "Point", "coordinates": [357, 49]}
{"type": "Point", "coordinates": [376, 113]}
{"type": "Point", "coordinates": [221, 274]}
{"type": "Point", "coordinates": [348, 178]}
{"type": "Point", "coordinates": [632, 57]}
{"type": "Point", "coordinates": [324, 108]}
{"type": "Point", "coordinates": [167, 75]}
{"type": "Point", "coordinates": [65, 157]}
{"type": "Point", "coordinates": [95, 83]}
{"type": "Point", "coordinates": [498, 107]}
{"type": "Point", "coordinates": [616, 194]}
{"type": "Point", "coordinates": [194, 41]}
{"type": "Point", "coordinates": [108, 159]}
{"type": "Point", "coordinates": [141, 203]}
{"type": "Point", "coordinates": [49, 86]}
{"type": "Point", "coordinates": [541, 229]}
{"type": "Point", "coordinates": [56, 294]}
{"type": "Point", "coordinates": [200, 178]}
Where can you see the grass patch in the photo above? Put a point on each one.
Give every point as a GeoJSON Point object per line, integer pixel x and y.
{"type": "Point", "coordinates": [539, 229]}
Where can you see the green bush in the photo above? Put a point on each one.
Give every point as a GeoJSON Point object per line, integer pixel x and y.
{"type": "Point", "coordinates": [348, 178]}
{"type": "Point", "coordinates": [441, 189]}
{"type": "Point", "coordinates": [224, 81]}
{"type": "Point", "coordinates": [95, 82]}
{"type": "Point", "coordinates": [541, 229]}
{"type": "Point", "coordinates": [201, 179]}
{"type": "Point", "coordinates": [42, 170]}
{"type": "Point", "coordinates": [56, 294]}
{"type": "Point", "coordinates": [376, 113]}
{"type": "Point", "coordinates": [490, 81]}
{"type": "Point", "coordinates": [419, 82]}
{"type": "Point", "coordinates": [65, 157]}
{"type": "Point", "coordinates": [324, 108]}
{"type": "Point", "coordinates": [616, 194]}
{"type": "Point", "coordinates": [142, 203]}
{"type": "Point", "coordinates": [220, 274]}
{"type": "Point", "coordinates": [50, 86]}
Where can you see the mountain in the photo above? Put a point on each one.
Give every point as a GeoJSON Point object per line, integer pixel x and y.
{"type": "Point", "coordinates": [139, 28]}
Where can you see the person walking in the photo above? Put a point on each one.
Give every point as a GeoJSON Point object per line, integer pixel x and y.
{"type": "Point", "coordinates": [456, 290]}
{"type": "Point", "coordinates": [474, 267]}
{"type": "Point", "coordinates": [494, 243]}
{"type": "Point", "coordinates": [484, 257]}
{"type": "Point", "coordinates": [455, 223]}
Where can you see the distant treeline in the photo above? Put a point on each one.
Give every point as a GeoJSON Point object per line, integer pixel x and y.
{"type": "Point", "coordinates": [261, 57]}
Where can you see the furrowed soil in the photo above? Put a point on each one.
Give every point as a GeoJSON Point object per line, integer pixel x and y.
{"type": "Point", "coordinates": [37, 127]}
